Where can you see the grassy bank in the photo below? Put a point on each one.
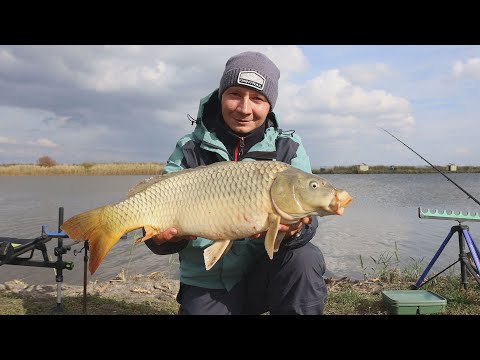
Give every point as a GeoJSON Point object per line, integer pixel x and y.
{"type": "Point", "coordinates": [154, 294]}
{"type": "Point", "coordinates": [87, 168]}
{"type": "Point", "coordinates": [348, 297]}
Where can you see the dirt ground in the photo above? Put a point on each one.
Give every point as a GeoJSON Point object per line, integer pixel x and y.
{"type": "Point", "coordinates": [154, 286]}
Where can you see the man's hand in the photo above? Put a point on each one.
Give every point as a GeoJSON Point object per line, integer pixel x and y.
{"type": "Point", "coordinates": [290, 229]}
{"type": "Point", "coordinates": [170, 235]}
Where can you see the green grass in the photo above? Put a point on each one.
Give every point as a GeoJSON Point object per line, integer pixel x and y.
{"type": "Point", "coordinates": [384, 273]}
{"type": "Point", "coordinates": [365, 297]}
{"type": "Point", "coordinates": [350, 301]}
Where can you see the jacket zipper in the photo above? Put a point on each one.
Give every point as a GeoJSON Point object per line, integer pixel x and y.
{"type": "Point", "coordinates": [239, 149]}
{"type": "Point", "coordinates": [238, 152]}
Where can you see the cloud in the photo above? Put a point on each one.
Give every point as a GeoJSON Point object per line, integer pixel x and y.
{"type": "Point", "coordinates": [468, 69]}
{"type": "Point", "coordinates": [130, 103]}
{"type": "Point", "coordinates": [462, 151]}
{"type": "Point", "coordinates": [365, 74]}
{"type": "Point", "coordinates": [334, 106]}
{"type": "Point", "coordinates": [117, 104]}
{"type": "Point", "coordinates": [140, 69]}
{"type": "Point", "coordinates": [7, 140]}
{"type": "Point", "coordinates": [112, 75]}
{"type": "Point", "coordinates": [44, 143]}
{"type": "Point", "coordinates": [7, 59]}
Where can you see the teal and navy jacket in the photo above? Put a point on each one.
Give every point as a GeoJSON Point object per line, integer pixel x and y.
{"type": "Point", "coordinates": [210, 142]}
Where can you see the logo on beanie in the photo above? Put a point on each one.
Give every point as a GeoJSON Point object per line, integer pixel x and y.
{"type": "Point", "coordinates": [252, 79]}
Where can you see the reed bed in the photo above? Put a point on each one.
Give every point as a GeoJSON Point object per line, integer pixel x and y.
{"type": "Point", "coordinates": [82, 169]}
{"type": "Point", "coordinates": [90, 168]}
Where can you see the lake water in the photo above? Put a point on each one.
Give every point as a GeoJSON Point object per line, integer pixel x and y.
{"type": "Point", "coordinates": [382, 217]}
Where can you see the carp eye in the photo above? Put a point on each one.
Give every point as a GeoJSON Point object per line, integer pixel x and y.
{"type": "Point", "coordinates": [314, 185]}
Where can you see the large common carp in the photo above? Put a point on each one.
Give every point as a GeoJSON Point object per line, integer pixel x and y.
{"type": "Point", "coordinates": [223, 202]}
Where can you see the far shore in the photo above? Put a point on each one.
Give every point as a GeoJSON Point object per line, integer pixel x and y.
{"type": "Point", "coordinates": [394, 169]}
{"type": "Point", "coordinates": [87, 168]}
{"type": "Point", "coordinates": [90, 168]}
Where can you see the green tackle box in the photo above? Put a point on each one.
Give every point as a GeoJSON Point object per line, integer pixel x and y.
{"type": "Point", "coordinates": [413, 302]}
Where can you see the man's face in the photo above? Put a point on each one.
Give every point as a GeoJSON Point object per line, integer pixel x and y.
{"type": "Point", "coordinates": [243, 109]}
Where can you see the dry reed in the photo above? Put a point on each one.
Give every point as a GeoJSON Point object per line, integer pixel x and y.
{"type": "Point", "coordinates": [82, 169]}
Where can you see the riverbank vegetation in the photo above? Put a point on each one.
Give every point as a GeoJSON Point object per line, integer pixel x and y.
{"type": "Point", "coordinates": [86, 168]}
{"type": "Point", "coordinates": [153, 168]}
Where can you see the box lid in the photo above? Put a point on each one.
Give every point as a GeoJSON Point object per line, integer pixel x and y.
{"type": "Point", "coordinates": [413, 297]}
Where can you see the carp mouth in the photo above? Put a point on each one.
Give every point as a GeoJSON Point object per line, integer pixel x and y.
{"type": "Point", "coordinates": [339, 202]}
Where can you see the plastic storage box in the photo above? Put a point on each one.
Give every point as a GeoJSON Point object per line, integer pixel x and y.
{"type": "Point", "coordinates": [413, 302]}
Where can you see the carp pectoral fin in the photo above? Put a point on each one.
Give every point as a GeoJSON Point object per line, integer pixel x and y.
{"type": "Point", "coordinates": [215, 251]}
{"type": "Point", "coordinates": [149, 232]}
{"type": "Point", "coordinates": [278, 240]}
{"type": "Point", "coordinates": [273, 222]}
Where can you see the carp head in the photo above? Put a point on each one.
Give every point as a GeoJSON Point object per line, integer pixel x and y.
{"type": "Point", "coordinates": [296, 194]}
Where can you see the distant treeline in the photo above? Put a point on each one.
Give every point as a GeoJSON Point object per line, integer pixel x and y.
{"type": "Point", "coordinates": [382, 169]}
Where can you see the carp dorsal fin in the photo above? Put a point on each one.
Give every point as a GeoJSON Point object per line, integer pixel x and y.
{"type": "Point", "coordinates": [215, 251]}
{"type": "Point", "coordinates": [142, 185]}
{"type": "Point", "coordinates": [273, 222]}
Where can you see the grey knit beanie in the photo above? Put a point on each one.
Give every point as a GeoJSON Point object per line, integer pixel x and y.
{"type": "Point", "coordinates": [252, 69]}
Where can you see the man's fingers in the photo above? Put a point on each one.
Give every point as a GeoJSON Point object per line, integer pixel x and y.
{"type": "Point", "coordinates": [290, 229]}
{"type": "Point", "coordinates": [256, 236]}
{"type": "Point", "coordinates": [283, 227]}
{"type": "Point", "coordinates": [172, 236]}
{"type": "Point", "coordinates": [170, 233]}
{"type": "Point", "coordinates": [295, 227]}
{"type": "Point", "coordinates": [307, 220]}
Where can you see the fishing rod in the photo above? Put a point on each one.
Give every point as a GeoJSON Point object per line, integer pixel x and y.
{"type": "Point", "coordinates": [429, 163]}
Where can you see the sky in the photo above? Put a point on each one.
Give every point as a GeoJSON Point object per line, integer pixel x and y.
{"type": "Point", "coordinates": [82, 103]}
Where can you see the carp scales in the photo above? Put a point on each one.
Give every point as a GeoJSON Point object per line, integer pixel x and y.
{"type": "Point", "coordinates": [223, 202]}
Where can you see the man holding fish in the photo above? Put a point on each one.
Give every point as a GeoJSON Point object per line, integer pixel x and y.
{"type": "Point", "coordinates": [236, 122]}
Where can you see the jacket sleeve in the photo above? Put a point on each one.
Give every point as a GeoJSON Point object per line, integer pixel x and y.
{"type": "Point", "coordinates": [301, 160]}
{"type": "Point", "coordinates": [166, 248]}
{"type": "Point", "coordinates": [307, 232]}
